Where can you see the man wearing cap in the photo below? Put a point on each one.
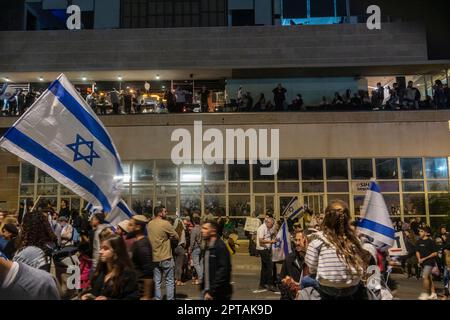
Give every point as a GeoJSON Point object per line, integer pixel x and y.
{"type": "Point", "coordinates": [160, 232]}
{"type": "Point", "coordinates": [10, 233]}
{"type": "Point", "coordinates": [141, 255]}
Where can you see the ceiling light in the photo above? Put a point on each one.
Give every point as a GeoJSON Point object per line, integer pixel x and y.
{"type": "Point", "coordinates": [119, 78]}
{"type": "Point", "coordinates": [41, 79]}
{"type": "Point", "coordinates": [84, 78]}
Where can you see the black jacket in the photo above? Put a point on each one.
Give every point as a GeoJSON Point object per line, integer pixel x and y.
{"type": "Point", "coordinates": [128, 287]}
{"type": "Point", "coordinates": [219, 271]}
{"type": "Point", "coordinates": [292, 267]}
{"type": "Point", "coordinates": [142, 258]}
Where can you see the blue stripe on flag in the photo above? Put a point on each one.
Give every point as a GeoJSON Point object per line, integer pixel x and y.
{"type": "Point", "coordinates": [295, 213]}
{"type": "Point", "coordinates": [285, 241]}
{"type": "Point", "coordinates": [125, 209]}
{"type": "Point", "coordinates": [377, 227]}
{"type": "Point", "coordinates": [289, 205]}
{"type": "Point", "coordinates": [57, 164]}
{"type": "Point", "coordinates": [85, 118]}
{"type": "Point", "coordinates": [375, 187]}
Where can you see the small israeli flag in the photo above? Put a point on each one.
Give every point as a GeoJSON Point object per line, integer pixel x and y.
{"type": "Point", "coordinates": [292, 210]}
{"type": "Point", "coordinates": [282, 248]}
{"type": "Point", "coordinates": [376, 223]}
{"type": "Point", "coordinates": [61, 135]}
{"type": "Point", "coordinates": [120, 213]}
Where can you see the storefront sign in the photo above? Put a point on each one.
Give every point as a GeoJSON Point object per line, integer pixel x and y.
{"type": "Point", "coordinates": [360, 187]}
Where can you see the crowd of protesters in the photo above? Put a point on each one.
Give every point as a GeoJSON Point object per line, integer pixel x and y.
{"type": "Point", "coordinates": [330, 259]}
{"type": "Point", "coordinates": [131, 261]}
{"type": "Point", "coordinates": [128, 262]}
{"type": "Point", "coordinates": [180, 100]}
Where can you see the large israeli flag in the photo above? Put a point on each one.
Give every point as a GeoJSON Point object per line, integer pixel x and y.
{"type": "Point", "coordinates": [61, 135]}
{"type": "Point", "coordinates": [376, 223]}
{"type": "Point", "coordinates": [120, 213]}
{"type": "Point", "coordinates": [282, 248]}
{"type": "Point", "coordinates": [292, 210]}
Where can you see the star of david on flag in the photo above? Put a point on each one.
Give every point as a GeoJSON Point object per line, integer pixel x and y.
{"type": "Point", "coordinates": [78, 155]}
{"type": "Point", "coordinates": [61, 135]}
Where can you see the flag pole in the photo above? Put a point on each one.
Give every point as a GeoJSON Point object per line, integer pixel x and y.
{"type": "Point", "coordinates": [35, 203]}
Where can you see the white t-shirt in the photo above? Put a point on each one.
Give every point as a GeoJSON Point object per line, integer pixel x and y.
{"type": "Point", "coordinates": [265, 234]}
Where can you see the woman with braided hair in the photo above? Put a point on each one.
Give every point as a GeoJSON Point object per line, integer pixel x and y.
{"type": "Point", "coordinates": [336, 256]}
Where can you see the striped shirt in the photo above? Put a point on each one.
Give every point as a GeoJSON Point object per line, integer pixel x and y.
{"type": "Point", "coordinates": [330, 268]}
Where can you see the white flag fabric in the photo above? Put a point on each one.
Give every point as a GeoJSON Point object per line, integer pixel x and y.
{"type": "Point", "coordinates": [282, 248]}
{"type": "Point", "coordinates": [61, 135]}
{"type": "Point", "coordinates": [292, 210]}
{"type": "Point", "coordinates": [120, 213]}
{"type": "Point", "coordinates": [376, 223]}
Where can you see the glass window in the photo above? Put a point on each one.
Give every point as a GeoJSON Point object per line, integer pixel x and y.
{"type": "Point", "coordinates": [191, 189]}
{"type": "Point", "coordinates": [312, 169]}
{"type": "Point", "coordinates": [28, 172]}
{"type": "Point", "coordinates": [288, 170]}
{"type": "Point", "coordinates": [239, 205]}
{"type": "Point", "coordinates": [362, 169]}
{"type": "Point", "coordinates": [414, 204]}
{"type": "Point", "coordinates": [142, 171]}
{"type": "Point", "coordinates": [166, 171]}
{"type": "Point", "coordinates": [191, 174]}
{"type": "Point", "coordinates": [190, 202]}
{"type": "Point", "coordinates": [436, 168]}
{"type": "Point", "coordinates": [386, 168]}
{"type": "Point", "coordinates": [392, 204]}
{"type": "Point", "coordinates": [438, 186]}
{"type": "Point", "coordinates": [235, 187]}
{"type": "Point", "coordinates": [411, 168]}
{"type": "Point", "coordinates": [166, 189]}
{"type": "Point", "coordinates": [44, 178]}
{"type": "Point", "coordinates": [439, 204]}
{"type": "Point", "coordinates": [288, 187]}
{"type": "Point", "coordinates": [215, 172]}
{"type": "Point", "coordinates": [239, 172]}
{"type": "Point", "coordinates": [169, 202]}
{"type": "Point", "coordinates": [142, 200]}
{"type": "Point", "coordinates": [257, 172]}
{"type": "Point", "coordinates": [263, 187]}
{"type": "Point", "coordinates": [27, 190]}
{"type": "Point", "coordinates": [215, 204]}
{"type": "Point", "coordinates": [337, 187]}
{"type": "Point", "coordinates": [214, 188]}
{"type": "Point", "coordinates": [388, 186]}
{"type": "Point", "coordinates": [313, 187]}
{"type": "Point", "coordinates": [413, 186]}
{"type": "Point", "coordinates": [337, 169]}
{"type": "Point", "coordinates": [126, 166]}
{"type": "Point", "coordinates": [45, 190]}
{"type": "Point", "coordinates": [342, 197]}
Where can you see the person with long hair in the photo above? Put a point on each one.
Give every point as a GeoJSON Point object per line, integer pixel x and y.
{"type": "Point", "coordinates": [114, 277]}
{"type": "Point", "coordinates": [36, 241]}
{"type": "Point", "coordinates": [336, 256]}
